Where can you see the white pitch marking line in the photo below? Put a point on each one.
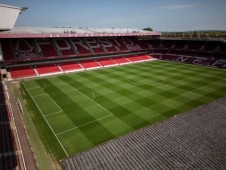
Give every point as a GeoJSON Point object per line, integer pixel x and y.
{"type": "Point", "coordinates": [61, 110]}
{"type": "Point", "coordinates": [83, 125]}
{"type": "Point", "coordinates": [164, 84]}
{"type": "Point", "coordinates": [55, 102]}
{"type": "Point", "coordinates": [39, 95]}
{"type": "Point", "coordinates": [46, 121]}
{"type": "Point", "coordinates": [89, 98]}
{"type": "Point", "coordinates": [50, 114]}
{"type": "Point", "coordinates": [89, 92]}
{"type": "Point", "coordinates": [40, 87]}
{"type": "Point", "coordinates": [34, 88]}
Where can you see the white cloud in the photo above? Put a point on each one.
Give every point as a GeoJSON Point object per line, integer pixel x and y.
{"type": "Point", "coordinates": [176, 6]}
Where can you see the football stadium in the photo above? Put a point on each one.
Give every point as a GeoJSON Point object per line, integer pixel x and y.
{"type": "Point", "coordinates": [109, 98]}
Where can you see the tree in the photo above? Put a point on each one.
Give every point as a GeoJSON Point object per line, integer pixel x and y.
{"type": "Point", "coordinates": [148, 29]}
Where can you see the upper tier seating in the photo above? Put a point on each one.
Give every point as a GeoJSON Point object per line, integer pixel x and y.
{"type": "Point", "coordinates": [181, 45]}
{"type": "Point", "coordinates": [211, 45]}
{"type": "Point", "coordinates": [20, 50]}
{"type": "Point", "coordinates": [196, 45]}
{"type": "Point", "coordinates": [22, 72]}
{"type": "Point", "coordinates": [8, 54]}
{"type": "Point", "coordinates": [15, 50]}
{"type": "Point", "coordinates": [46, 48]}
{"type": "Point", "coordinates": [168, 44]}
{"type": "Point", "coordinates": [64, 47]}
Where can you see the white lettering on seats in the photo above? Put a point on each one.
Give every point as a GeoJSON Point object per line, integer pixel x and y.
{"type": "Point", "coordinates": [219, 63]}
{"type": "Point", "coordinates": [62, 44]}
{"type": "Point", "coordinates": [24, 49]}
{"type": "Point", "coordinates": [130, 44]}
{"type": "Point", "coordinates": [41, 42]}
{"type": "Point", "coordinates": [79, 46]}
{"type": "Point", "coordinates": [92, 43]}
{"type": "Point", "coordinates": [105, 43]}
{"type": "Point", "coordinates": [182, 58]}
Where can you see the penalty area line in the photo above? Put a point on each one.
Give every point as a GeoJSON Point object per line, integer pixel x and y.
{"type": "Point", "coordinates": [83, 125]}
{"type": "Point", "coordinates": [46, 121]}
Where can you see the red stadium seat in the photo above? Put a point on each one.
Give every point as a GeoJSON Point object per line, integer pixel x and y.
{"type": "Point", "coordinates": [48, 69]}
{"type": "Point", "coordinates": [105, 62]}
{"type": "Point", "coordinates": [134, 58]}
{"type": "Point", "coordinates": [89, 64]}
{"type": "Point", "coordinates": [121, 60]}
{"type": "Point", "coordinates": [22, 72]}
{"type": "Point", "coordinates": [70, 66]}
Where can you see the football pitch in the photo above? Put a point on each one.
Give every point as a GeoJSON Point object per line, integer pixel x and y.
{"type": "Point", "coordinates": [75, 112]}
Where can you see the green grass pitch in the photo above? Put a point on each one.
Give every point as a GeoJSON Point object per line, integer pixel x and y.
{"type": "Point", "coordinates": [77, 111]}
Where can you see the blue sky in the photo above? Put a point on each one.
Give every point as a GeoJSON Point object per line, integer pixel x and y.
{"type": "Point", "coordinates": [161, 15]}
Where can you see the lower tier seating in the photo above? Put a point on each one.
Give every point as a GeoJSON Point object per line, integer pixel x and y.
{"type": "Point", "coordinates": [106, 62]}
{"type": "Point", "coordinates": [48, 69]}
{"type": "Point", "coordinates": [134, 58]}
{"type": "Point", "coordinates": [70, 66]}
{"type": "Point", "coordinates": [21, 72]}
{"type": "Point", "coordinates": [89, 64]}
{"type": "Point", "coordinates": [147, 57]}
{"type": "Point", "coordinates": [121, 60]}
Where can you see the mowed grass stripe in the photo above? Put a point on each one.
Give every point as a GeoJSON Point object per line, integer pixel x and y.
{"type": "Point", "coordinates": [157, 83]}
{"type": "Point", "coordinates": [74, 105]}
{"type": "Point", "coordinates": [47, 121]}
{"type": "Point", "coordinates": [53, 90]}
{"type": "Point", "coordinates": [117, 107]}
{"type": "Point", "coordinates": [137, 95]}
{"type": "Point", "coordinates": [44, 100]}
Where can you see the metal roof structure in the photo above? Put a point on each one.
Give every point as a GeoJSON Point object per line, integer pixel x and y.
{"type": "Point", "coordinates": [54, 32]}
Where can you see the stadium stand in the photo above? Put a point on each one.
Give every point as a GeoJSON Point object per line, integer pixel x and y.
{"type": "Point", "coordinates": [105, 62]}
{"type": "Point", "coordinates": [147, 57]}
{"type": "Point", "coordinates": [48, 69]}
{"type": "Point", "coordinates": [22, 72]}
{"type": "Point", "coordinates": [8, 54]}
{"type": "Point", "coordinates": [89, 64]}
{"type": "Point", "coordinates": [8, 157]}
{"type": "Point", "coordinates": [134, 58]}
{"type": "Point", "coordinates": [70, 66]}
{"type": "Point", "coordinates": [108, 45]}
{"type": "Point", "coordinates": [195, 46]}
{"type": "Point", "coordinates": [121, 60]}
{"type": "Point", "coordinates": [63, 47]}
{"type": "Point", "coordinates": [87, 52]}
{"type": "Point", "coordinates": [45, 48]}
